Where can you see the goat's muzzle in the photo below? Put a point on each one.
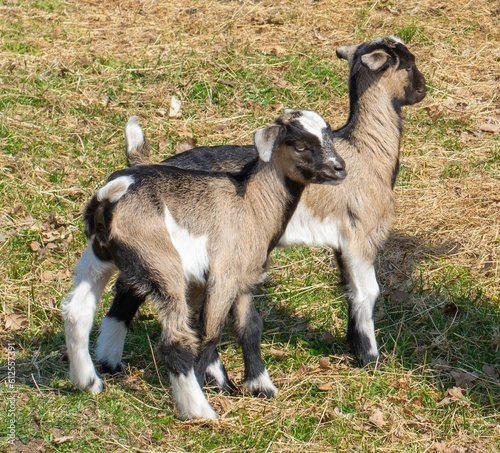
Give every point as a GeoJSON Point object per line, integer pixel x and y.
{"type": "Point", "coordinates": [332, 173]}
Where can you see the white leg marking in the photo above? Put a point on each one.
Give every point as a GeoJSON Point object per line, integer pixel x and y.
{"type": "Point", "coordinates": [192, 249]}
{"type": "Point", "coordinates": [189, 398]}
{"type": "Point", "coordinates": [262, 384]}
{"type": "Point", "coordinates": [364, 292]}
{"type": "Point", "coordinates": [78, 311]}
{"type": "Point", "coordinates": [110, 343]}
{"type": "Point", "coordinates": [215, 372]}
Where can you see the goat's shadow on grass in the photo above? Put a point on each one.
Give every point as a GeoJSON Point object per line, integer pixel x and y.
{"type": "Point", "coordinates": [449, 327]}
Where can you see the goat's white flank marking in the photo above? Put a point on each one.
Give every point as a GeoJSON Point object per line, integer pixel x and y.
{"type": "Point", "coordinates": [115, 189]}
{"type": "Point", "coordinates": [134, 138]}
{"type": "Point", "coordinates": [262, 383]}
{"type": "Point", "coordinates": [111, 339]}
{"type": "Point", "coordinates": [306, 229]}
{"type": "Point", "coordinates": [192, 249]}
{"type": "Point", "coordinates": [91, 276]}
{"type": "Point", "coordinates": [312, 123]}
{"type": "Point", "coordinates": [189, 398]}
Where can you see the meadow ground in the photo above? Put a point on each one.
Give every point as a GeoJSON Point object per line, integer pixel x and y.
{"type": "Point", "coordinates": [71, 73]}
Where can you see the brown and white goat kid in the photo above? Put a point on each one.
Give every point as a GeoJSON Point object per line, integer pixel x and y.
{"type": "Point", "coordinates": [354, 218]}
{"type": "Point", "coordinates": [196, 243]}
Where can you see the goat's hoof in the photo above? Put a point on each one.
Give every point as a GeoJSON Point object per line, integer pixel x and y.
{"type": "Point", "coordinates": [86, 379]}
{"type": "Point", "coordinates": [262, 386]}
{"type": "Point", "coordinates": [199, 413]}
{"type": "Point", "coordinates": [268, 393]}
{"type": "Point", "coordinates": [225, 388]}
{"type": "Point", "coordinates": [95, 386]}
{"type": "Point", "coordinates": [111, 369]}
{"type": "Point", "coordinates": [371, 362]}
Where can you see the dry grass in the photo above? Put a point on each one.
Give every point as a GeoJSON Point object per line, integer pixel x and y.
{"type": "Point", "coordinates": [70, 75]}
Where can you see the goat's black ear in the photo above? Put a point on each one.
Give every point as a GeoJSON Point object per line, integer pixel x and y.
{"type": "Point", "coordinates": [375, 60]}
{"type": "Point", "coordinates": [346, 52]}
{"type": "Point", "coordinates": [266, 140]}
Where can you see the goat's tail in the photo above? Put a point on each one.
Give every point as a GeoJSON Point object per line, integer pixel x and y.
{"type": "Point", "coordinates": [136, 146]}
{"type": "Point", "coordinates": [98, 213]}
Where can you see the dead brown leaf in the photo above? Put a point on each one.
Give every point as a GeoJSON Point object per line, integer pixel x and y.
{"type": "Point", "coordinates": [277, 353]}
{"type": "Point", "coordinates": [16, 321]}
{"type": "Point", "coordinates": [325, 387]}
{"type": "Point", "coordinates": [462, 378]}
{"type": "Point", "coordinates": [491, 371]}
{"type": "Point", "coordinates": [324, 363]}
{"type": "Point", "coordinates": [455, 392]}
{"type": "Point", "coordinates": [490, 127]}
{"type": "Point", "coordinates": [377, 418]}
{"type": "Point", "coordinates": [328, 338]}
{"type": "Point", "coordinates": [453, 395]}
{"type": "Point", "coordinates": [185, 145]}
{"type": "Point", "coordinates": [304, 369]}
{"type": "Point", "coordinates": [441, 447]}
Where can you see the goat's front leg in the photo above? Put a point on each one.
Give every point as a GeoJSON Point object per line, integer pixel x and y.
{"type": "Point", "coordinates": [362, 290]}
{"type": "Point", "coordinates": [115, 325]}
{"type": "Point", "coordinates": [248, 329]}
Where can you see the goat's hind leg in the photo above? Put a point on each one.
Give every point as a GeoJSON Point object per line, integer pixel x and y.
{"type": "Point", "coordinates": [362, 291]}
{"type": "Point", "coordinates": [179, 349]}
{"type": "Point", "coordinates": [91, 277]}
{"type": "Point", "coordinates": [115, 325]}
{"type": "Point", "coordinates": [248, 328]}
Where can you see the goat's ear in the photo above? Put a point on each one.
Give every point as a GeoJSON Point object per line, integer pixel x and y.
{"type": "Point", "coordinates": [266, 140]}
{"type": "Point", "coordinates": [375, 60]}
{"type": "Point", "coordinates": [346, 52]}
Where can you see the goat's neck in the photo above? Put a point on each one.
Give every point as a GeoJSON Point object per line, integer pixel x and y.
{"type": "Point", "coordinates": [272, 197]}
{"type": "Point", "coordinates": [375, 123]}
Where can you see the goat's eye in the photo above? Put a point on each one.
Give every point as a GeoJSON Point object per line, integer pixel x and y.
{"type": "Point", "coordinates": [409, 69]}
{"type": "Point", "coordinates": [300, 147]}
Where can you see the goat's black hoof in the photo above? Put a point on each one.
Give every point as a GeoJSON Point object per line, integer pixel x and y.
{"type": "Point", "coordinates": [371, 362]}
{"type": "Point", "coordinates": [111, 369]}
{"type": "Point", "coordinates": [266, 394]}
{"type": "Point", "coordinates": [228, 389]}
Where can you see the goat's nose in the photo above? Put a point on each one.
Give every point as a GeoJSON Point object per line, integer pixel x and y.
{"type": "Point", "coordinates": [338, 164]}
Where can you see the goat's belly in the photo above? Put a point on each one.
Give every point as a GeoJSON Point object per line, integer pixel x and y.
{"type": "Point", "coordinates": [306, 229]}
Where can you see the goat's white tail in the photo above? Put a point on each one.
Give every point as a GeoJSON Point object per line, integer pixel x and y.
{"type": "Point", "coordinates": [135, 143]}
{"type": "Point", "coordinates": [91, 277]}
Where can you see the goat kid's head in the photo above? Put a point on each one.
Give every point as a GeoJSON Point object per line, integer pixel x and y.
{"type": "Point", "coordinates": [302, 142]}
{"type": "Point", "coordinates": [389, 61]}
